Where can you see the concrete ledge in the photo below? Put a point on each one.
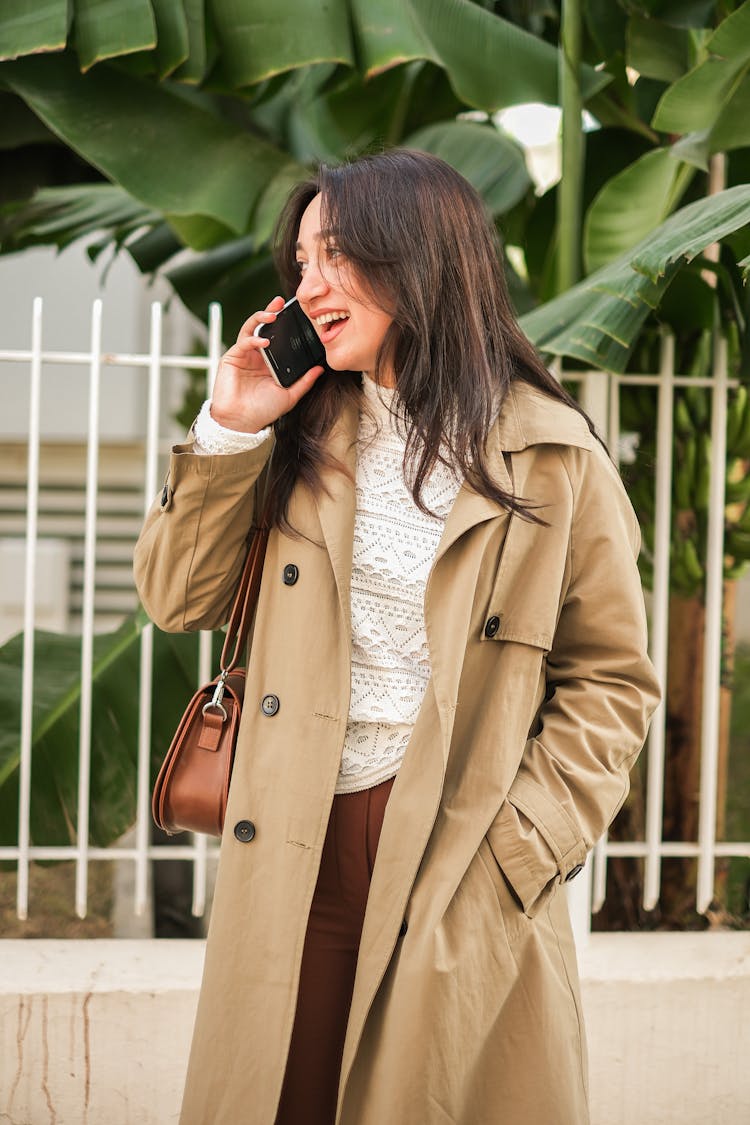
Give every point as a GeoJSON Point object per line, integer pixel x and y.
{"type": "Point", "coordinates": [668, 1021]}
{"type": "Point", "coordinates": [97, 1032]}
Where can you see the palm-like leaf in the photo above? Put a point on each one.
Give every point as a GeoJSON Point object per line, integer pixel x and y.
{"type": "Point", "coordinates": [57, 699]}
{"type": "Point", "coordinates": [173, 155]}
{"type": "Point", "coordinates": [119, 27]}
{"type": "Point", "coordinates": [713, 98]}
{"type": "Point", "coordinates": [598, 320]}
{"type": "Point", "coordinates": [59, 216]}
{"type": "Point", "coordinates": [27, 28]}
{"type": "Point", "coordinates": [490, 61]}
{"type": "Point", "coordinates": [631, 204]}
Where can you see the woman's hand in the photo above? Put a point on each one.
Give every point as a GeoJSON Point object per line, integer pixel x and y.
{"type": "Point", "coordinates": [246, 397]}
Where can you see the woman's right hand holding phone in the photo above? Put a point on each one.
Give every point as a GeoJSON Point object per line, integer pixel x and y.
{"type": "Point", "coordinates": [246, 397]}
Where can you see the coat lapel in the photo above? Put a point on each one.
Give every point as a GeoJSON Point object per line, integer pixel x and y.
{"type": "Point", "coordinates": [529, 417]}
{"type": "Point", "coordinates": [336, 502]}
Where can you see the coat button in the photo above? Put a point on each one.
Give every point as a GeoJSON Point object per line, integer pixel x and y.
{"type": "Point", "coordinates": [492, 626]}
{"type": "Point", "coordinates": [573, 872]}
{"type": "Point", "coordinates": [269, 704]}
{"type": "Point", "coordinates": [290, 574]}
{"type": "Point", "coordinates": [166, 498]}
{"type": "Point", "coordinates": [403, 928]}
{"type": "Point", "coordinates": [244, 830]}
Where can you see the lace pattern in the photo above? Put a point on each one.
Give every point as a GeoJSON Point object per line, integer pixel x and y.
{"type": "Point", "coordinates": [394, 547]}
{"type": "Point", "coordinates": [211, 438]}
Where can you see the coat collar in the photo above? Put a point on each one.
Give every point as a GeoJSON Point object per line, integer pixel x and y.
{"type": "Point", "coordinates": [528, 417]}
{"type": "Point", "coordinates": [531, 417]}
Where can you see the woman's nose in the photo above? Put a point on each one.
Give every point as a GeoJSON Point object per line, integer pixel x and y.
{"type": "Point", "coordinates": [312, 283]}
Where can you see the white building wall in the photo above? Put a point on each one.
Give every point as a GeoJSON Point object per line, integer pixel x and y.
{"type": "Point", "coordinates": [69, 283]}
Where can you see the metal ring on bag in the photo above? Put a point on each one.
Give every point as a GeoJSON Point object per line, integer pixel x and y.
{"type": "Point", "coordinates": [211, 706]}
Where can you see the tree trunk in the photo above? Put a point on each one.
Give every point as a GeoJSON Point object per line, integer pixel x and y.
{"type": "Point", "coordinates": [682, 757]}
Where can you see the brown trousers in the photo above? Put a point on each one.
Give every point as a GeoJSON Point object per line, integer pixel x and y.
{"type": "Point", "coordinates": [329, 960]}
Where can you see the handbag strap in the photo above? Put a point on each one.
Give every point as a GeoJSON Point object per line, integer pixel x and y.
{"type": "Point", "coordinates": [247, 597]}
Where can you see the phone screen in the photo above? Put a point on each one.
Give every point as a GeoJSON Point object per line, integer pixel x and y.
{"type": "Point", "coordinates": [294, 345]}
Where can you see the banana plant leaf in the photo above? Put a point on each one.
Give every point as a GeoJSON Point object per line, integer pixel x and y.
{"type": "Point", "coordinates": [119, 27]}
{"type": "Point", "coordinates": [172, 36]}
{"type": "Point", "coordinates": [323, 112]}
{"type": "Point", "coordinates": [267, 37]}
{"type": "Point", "coordinates": [598, 320]}
{"type": "Point", "coordinates": [193, 69]}
{"type": "Point", "coordinates": [19, 126]}
{"type": "Point", "coordinates": [171, 154]}
{"type": "Point", "coordinates": [493, 163]}
{"type": "Point", "coordinates": [151, 249]}
{"type": "Point", "coordinates": [27, 28]}
{"type": "Point", "coordinates": [490, 61]}
{"type": "Point", "coordinates": [61, 215]}
{"type": "Point", "coordinates": [713, 97]}
{"type": "Point", "coordinates": [56, 718]}
{"type": "Point", "coordinates": [631, 204]}
{"type": "Point", "coordinates": [679, 13]}
{"type": "Point", "coordinates": [656, 50]}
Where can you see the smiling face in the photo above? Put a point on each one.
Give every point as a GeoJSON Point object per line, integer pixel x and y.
{"type": "Point", "coordinates": [350, 326]}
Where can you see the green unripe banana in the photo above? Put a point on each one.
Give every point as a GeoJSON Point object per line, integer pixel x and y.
{"type": "Point", "coordinates": [684, 473]}
{"type": "Point", "coordinates": [703, 472]}
{"type": "Point", "coordinates": [735, 413]}
{"type": "Point", "coordinates": [696, 399]}
{"type": "Point", "coordinates": [693, 565]}
{"type": "Point", "coordinates": [741, 446]}
{"type": "Point", "coordinates": [683, 422]}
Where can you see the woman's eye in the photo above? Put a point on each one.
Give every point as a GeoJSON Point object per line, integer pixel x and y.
{"type": "Point", "coordinates": [333, 252]}
{"type": "Point", "coordinates": [301, 266]}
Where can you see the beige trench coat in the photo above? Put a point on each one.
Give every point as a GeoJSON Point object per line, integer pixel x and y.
{"type": "Point", "coordinates": [466, 1005]}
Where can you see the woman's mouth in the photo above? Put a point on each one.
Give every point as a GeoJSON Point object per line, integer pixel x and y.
{"type": "Point", "coordinates": [330, 325]}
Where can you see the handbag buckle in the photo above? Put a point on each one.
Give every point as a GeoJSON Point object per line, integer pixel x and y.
{"type": "Point", "coordinates": [215, 703]}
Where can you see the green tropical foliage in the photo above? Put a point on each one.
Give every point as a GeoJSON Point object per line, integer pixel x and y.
{"type": "Point", "coordinates": [114, 727]}
{"type": "Point", "coordinates": [202, 114]}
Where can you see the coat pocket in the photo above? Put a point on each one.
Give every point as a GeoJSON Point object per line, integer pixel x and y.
{"type": "Point", "coordinates": [535, 843]}
{"type": "Point", "coordinates": [524, 857]}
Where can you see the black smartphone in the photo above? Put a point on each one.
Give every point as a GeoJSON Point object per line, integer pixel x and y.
{"type": "Point", "coordinates": [294, 345]}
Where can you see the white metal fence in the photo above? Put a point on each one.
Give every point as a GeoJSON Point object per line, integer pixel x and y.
{"type": "Point", "coordinates": [600, 395]}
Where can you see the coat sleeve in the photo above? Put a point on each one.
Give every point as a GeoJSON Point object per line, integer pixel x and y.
{"type": "Point", "coordinates": [601, 692]}
{"type": "Point", "coordinates": [189, 555]}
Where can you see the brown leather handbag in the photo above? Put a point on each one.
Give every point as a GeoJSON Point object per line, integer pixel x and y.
{"type": "Point", "coordinates": [191, 791]}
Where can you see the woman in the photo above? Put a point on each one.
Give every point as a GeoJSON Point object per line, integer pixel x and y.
{"type": "Point", "coordinates": [448, 667]}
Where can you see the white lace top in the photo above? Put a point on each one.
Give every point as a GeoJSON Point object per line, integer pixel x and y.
{"type": "Point", "coordinates": [394, 547]}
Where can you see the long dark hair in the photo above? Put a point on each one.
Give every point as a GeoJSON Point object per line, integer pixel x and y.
{"type": "Point", "coordinates": [417, 236]}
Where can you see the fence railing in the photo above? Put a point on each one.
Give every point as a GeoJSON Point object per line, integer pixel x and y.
{"type": "Point", "coordinates": [600, 393]}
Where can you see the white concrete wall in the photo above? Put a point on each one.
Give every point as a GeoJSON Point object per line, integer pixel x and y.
{"type": "Point", "coordinates": [668, 1018]}
{"type": "Point", "coordinates": [97, 1032]}
{"type": "Point", "coordinates": [69, 283]}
